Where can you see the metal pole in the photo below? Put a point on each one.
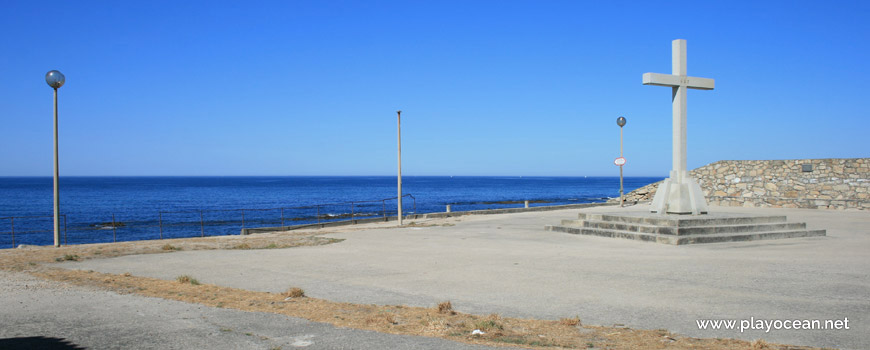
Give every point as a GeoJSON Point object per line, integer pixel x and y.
{"type": "Point", "coordinates": [351, 213]}
{"type": "Point", "coordinates": [56, 176]}
{"type": "Point", "coordinates": [243, 219]}
{"type": "Point", "coordinates": [114, 234]}
{"type": "Point", "coordinates": [160, 223]}
{"type": "Point", "coordinates": [399, 119]}
{"type": "Point", "coordinates": [384, 209]}
{"type": "Point", "coordinates": [13, 232]}
{"type": "Point", "coordinates": [621, 194]}
{"type": "Point", "coordinates": [318, 214]}
{"type": "Point", "coordinates": [282, 217]}
{"type": "Point", "coordinates": [202, 224]}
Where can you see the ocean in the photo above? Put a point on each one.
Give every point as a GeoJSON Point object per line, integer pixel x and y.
{"type": "Point", "coordinates": [107, 209]}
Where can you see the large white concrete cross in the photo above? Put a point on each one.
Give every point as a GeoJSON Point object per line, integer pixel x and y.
{"type": "Point", "coordinates": [679, 194]}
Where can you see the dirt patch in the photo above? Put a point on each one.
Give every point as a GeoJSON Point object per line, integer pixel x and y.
{"type": "Point", "coordinates": [438, 321]}
{"type": "Point", "coordinates": [22, 259]}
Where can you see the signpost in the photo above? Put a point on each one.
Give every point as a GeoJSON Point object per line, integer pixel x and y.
{"type": "Point", "coordinates": [399, 123]}
{"type": "Point", "coordinates": [620, 161]}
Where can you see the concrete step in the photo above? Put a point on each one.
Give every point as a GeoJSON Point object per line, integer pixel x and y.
{"type": "Point", "coordinates": [682, 231]}
{"type": "Point", "coordinates": [725, 229]}
{"type": "Point", "coordinates": [649, 237]}
{"type": "Point", "coordinates": [688, 239]}
{"type": "Point", "coordinates": [752, 236]}
{"type": "Point", "coordinates": [682, 221]}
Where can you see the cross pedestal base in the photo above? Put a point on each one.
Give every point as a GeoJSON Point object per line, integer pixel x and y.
{"type": "Point", "coordinates": [679, 194]}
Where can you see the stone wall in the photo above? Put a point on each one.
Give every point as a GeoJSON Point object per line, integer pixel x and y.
{"type": "Point", "coordinates": [800, 183]}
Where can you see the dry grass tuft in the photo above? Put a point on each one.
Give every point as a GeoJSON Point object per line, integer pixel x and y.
{"type": "Point", "coordinates": [168, 246]}
{"type": "Point", "coordinates": [242, 246]}
{"type": "Point", "coordinates": [294, 292]}
{"type": "Point", "coordinates": [574, 321]}
{"type": "Point", "coordinates": [489, 324]}
{"type": "Point", "coordinates": [68, 257]}
{"type": "Point", "coordinates": [187, 279]}
{"type": "Point", "coordinates": [760, 344]}
{"type": "Point", "coordinates": [445, 307]}
{"type": "Point", "coordinates": [381, 319]}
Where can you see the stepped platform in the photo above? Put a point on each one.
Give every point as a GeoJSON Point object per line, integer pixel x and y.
{"type": "Point", "coordinates": [685, 229]}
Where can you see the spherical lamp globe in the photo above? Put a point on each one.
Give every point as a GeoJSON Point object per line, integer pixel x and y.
{"type": "Point", "coordinates": [55, 79]}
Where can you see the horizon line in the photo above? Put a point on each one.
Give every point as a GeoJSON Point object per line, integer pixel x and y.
{"type": "Point", "coordinates": [49, 176]}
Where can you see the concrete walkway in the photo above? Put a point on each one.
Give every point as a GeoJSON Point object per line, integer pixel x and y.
{"type": "Point", "coordinates": [37, 314]}
{"type": "Point", "coordinates": [508, 264]}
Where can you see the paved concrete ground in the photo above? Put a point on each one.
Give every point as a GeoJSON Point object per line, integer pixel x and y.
{"type": "Point", "coordinates": [36, 314]}
{"type": "Point", "coordinates": [508, 264]}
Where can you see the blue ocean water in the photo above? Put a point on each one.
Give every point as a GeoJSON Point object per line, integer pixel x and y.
{"type": "Point", "coordinates": [169, 207]}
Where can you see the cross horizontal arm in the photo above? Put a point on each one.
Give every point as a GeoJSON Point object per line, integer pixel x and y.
{"type": "Point", "coordinates": [658, 79]}
{"type": "Point", "coordinates": [700, 83]}
{"type": "Point", "coordinates": [671, 80]}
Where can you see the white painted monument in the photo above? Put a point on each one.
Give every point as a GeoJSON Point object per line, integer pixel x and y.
{"type": "Point", "coordinates": [679, 194]}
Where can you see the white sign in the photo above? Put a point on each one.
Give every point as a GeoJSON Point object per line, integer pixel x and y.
{"type": "Point", "coordinates": [619, 161]}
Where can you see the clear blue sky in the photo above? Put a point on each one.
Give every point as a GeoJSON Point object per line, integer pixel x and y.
{"type": "Point", "coordinates": [486, 87]}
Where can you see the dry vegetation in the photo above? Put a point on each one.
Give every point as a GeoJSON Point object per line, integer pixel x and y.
{"type": "Point", "coordinates": [438, 321]}
{"type": "Point", "coordinates": [294, 292]}
{"type": "Point", "coordinates": [180, 279]}
{"type": "Point", "coordinates": [446, 307]}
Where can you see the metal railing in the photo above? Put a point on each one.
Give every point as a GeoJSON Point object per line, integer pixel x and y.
{"type": "Point", "coordinates": [176, 224]}
{"type": "Point", "coordinates": [27, 229]}
{"type": "Point", "coordinates": [166, 224]}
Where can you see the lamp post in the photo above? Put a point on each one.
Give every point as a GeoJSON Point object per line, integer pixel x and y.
{"type": "Point", "coordinates": [621, 122]}
{"type": "Point", "coordinates": [55, 79]}
{"type": "Point", "coordinates": [399, 119]}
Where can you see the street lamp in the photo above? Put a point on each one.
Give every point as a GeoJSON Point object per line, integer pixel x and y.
{"type": "Point", "coordinates": [621, 160]}
{"type": "Point", "coordinates": [55, 79]}
{"type": "Point", "coordinates": [399, 119]}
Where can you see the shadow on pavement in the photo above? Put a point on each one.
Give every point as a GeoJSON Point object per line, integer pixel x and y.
{"type": "Point", "coordinates": [46, 343]}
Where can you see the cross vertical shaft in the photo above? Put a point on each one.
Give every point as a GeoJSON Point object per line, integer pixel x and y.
{"type": "Point", "coordinates": [678, 66]}
{"type": "Point", "coordinates": [679, 194]}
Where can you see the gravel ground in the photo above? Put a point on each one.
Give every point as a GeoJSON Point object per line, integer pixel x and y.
{"type": "Point", "coordinates": [507, 264]}
{"type": "Point", "coordinates": [42, 314]}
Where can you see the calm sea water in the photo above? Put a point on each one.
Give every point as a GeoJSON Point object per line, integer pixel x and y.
{"type": "Point", "coordinates": [169, 207]}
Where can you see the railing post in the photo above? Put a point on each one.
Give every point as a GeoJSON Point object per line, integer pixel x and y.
{"type": "Point", "coordinates": [384, 210]}
{"type": "Point", "coordinates": [243, 219]}
{"type": "Point", "coordinates": [64, 230]}
{"type": "Point", "coordinates": [202, 224]}
{"type": "Point", "coordinates": [351, 213]}
{"type": "Point", "coordinates": [160, 223]}
{"type": "Point", "coordinates": [13, 231]}
{"type": "Point", "coordinates": [114, 234]}
{"type": "Point", "coordinates": [318, 214]}
{"type": "Point", "coordinates": [282, 217]}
